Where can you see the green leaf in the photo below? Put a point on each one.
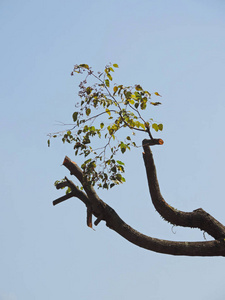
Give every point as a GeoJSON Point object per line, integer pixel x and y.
{"type": "Point", "coordinates": [101, 125]}
{"type": "Point", "coordinates": [137, 95]}
{"type": "Point", "coordinates": [120, 162]}
{"type": "Point", "coordinates": [155, 103]}
{"type": "Point", "coordinates": [147, 93]}
{"type": "Point", "coordinates": [108, 111]}
{"type": "Point", "coordinates": [107, 82]}
{"type": "Point", "coordinates": [68, 190]}
{"type": "Point", "coordinates": [88, 111]}
{"type": "Point", "coordinates": [109, 76]}
{"type": "Point", "coordinates": [127, 94]}
{"type": "Point", "coordinates": [115, 89]}
{"type": "Point", "coordinates": [87, 161]}
{"type": "Point", "coordinates": [123, 149]}
{"type": "Point", "coordinates": [56, 182]}
{"type": "Point", "coordinates": [113, 169]}
{"type": "Point", "coordinates": [138, 88]}
{"type": "Point", "coordinates": [137, 124]}
{"type": "Point", "coordinates": [88, 90]}
{"type": "Point", "coordinates": [143, 105]}
{"type": "Point", "coordinates": [115, 66]}
{"type": "Point", "coordinates": [105, 186]}
{"type": "Point", "coordinates": [123, 179]}
{"type": "Point", "coordinates": [48, 143]}
{"type": "Point", "coordinates": [84, 66]}
{"type": "Point", "coordinates": [120, 168]}
{"type": "Point", "coordinates": [118, 177]}
{"type": "Point", "coordinates": [75, 114]}
{"type": "Point", "coordinates": [160, 126]}
{"type": "Point", "coordinates": [155, 126]}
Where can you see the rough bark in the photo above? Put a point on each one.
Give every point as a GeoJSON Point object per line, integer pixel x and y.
{"type": "Point", "coordinates": [102, 211]}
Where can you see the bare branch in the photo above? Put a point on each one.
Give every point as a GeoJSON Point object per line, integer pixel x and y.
{"type": "Point", "coordinates": [196, 219]}
{"type": "Point", "coordinates": [63, 198]}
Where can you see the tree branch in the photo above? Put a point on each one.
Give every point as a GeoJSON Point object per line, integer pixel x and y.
{"type": "Point", "coordinates": [196, 219]}
{"type": "Point", "coordinates": [63, 198]}
{"type": "Point", "coordinates": [76, 192]}
{"type": "Point", "coordinates": [104, 212]}
{"type": "Point", "coordinates": [75, 170]}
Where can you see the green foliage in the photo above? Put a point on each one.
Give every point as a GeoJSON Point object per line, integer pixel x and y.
{"type": "Point", "coordinates": [103, 112]}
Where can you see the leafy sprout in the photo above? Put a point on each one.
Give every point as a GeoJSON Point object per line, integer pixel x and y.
{"type": "Point", "coordinates": [103, 111]}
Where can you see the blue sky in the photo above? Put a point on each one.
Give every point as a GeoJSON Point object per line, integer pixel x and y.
{"type": "Point", "coordinates": [173, 47]}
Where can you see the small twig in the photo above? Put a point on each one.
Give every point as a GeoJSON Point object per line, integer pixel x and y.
{"type": "Point", "coordinates": [149, 133]}
{"type": "Point", "coordinates": [98, 220]}
{"type": "Point", "coordinates": [204, 236]}
{"type": "Point", "coordinates": [174, 232]}
{"type": "Point", "coordinates": [61, 185]}
{"type": "Point", "coordinates": [63, 198]}
{"type": "Point", "coordinates": [137, 111]}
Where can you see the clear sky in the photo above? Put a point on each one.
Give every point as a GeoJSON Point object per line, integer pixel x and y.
{"type": "Point", "coordinates": [173, 47]}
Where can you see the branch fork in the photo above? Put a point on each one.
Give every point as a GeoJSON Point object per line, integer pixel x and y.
{"type": "Point", "coordinates": [102, 211]}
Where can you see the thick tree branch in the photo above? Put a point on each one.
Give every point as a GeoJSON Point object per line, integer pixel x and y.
{"type": "Point", "coordinates": [75, 170]}
{"type": "Point", "coordinates": [210, 248]}
{"type": "Point", "coordinates": [196, 219]}
{"type": "Point", "coordinates": [104, 212]}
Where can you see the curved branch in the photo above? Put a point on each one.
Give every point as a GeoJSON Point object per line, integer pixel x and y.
{"type": "Point", "coordinates": [196, 219]}
{"type": "Point", "coordinates": [104, 212]}
{"type": "Point", "coordinates": [210, 248]}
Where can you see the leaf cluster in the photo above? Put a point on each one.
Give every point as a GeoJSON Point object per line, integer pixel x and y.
{"type": "Point", "coordinates": [103, 111]}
